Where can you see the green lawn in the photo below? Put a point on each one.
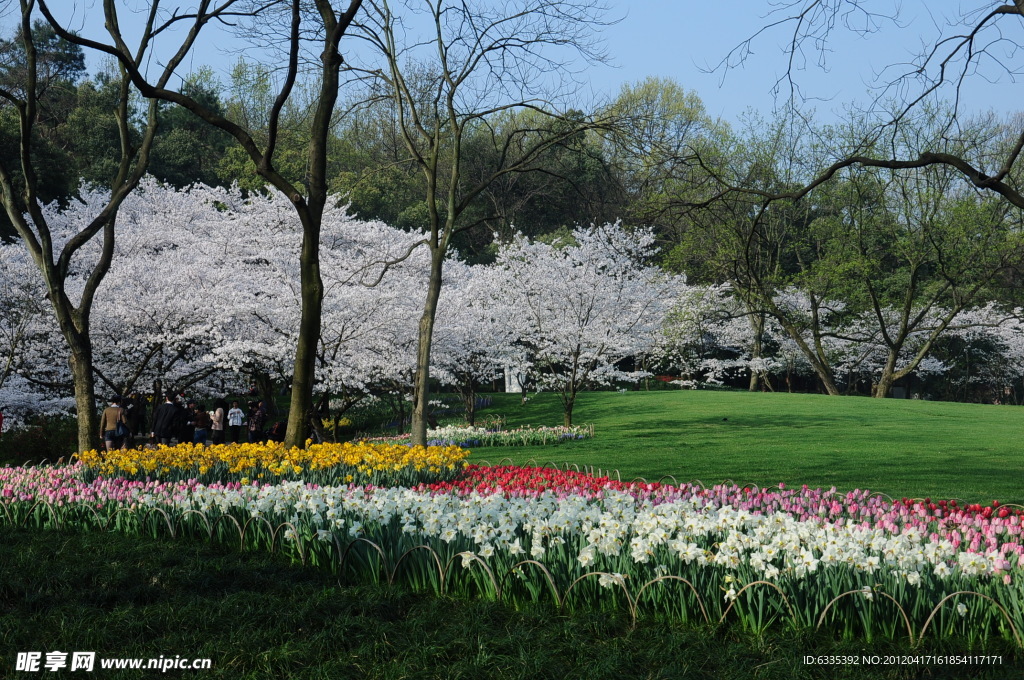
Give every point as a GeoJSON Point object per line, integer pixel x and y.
{"type": "Point", "coordinates": [902, 447]}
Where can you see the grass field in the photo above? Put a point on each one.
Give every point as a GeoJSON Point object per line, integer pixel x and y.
{"type": "Point", "coordinates": [257, 618]}
{"type": "Point", "coordinates": [902, 448]}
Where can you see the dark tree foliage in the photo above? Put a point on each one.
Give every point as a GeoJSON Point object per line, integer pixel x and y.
{"type": "Point", "coordinates": [187, 149]}
{"type": "Point", "coordinates": [59, 67]}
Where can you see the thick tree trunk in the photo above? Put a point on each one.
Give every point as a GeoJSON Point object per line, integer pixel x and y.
{"type": "Point", "coordinates": [567, 416]}
{"type": "Point", "coordinates": [85, 396]}
{"type": "Point", "coordinates": [469, 401]}
{"type": "Point", "coordinates": [421, 381]}
{"type": "Point", "coordinates": [304, 374]}
{"type": "Point", "coordinates": [884, 385]}
{"type": "Point", "coordinates": [821, 369]}
{"type": "Point", "coordinates": [310, 211]}
{"type": "Point", "coordinates": [829, 385]}
{"type": "Point", "coordinates": [824, 373]}
{"type": "Point", "coordinates": [815, 357]}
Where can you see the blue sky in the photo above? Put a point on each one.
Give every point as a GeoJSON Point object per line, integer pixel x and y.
{"type": "Point", "coordinates": [680, 39]}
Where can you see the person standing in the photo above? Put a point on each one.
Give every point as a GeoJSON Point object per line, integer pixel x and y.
{"type": "Point", "coordinates": [202, 421]}
{"type": "Point", "coordinates": [135, 414]}
{"type": "Point", "coordinates": [217, 423]}
{"type": "Point", "coordinates": [187, 425]}
{"type": "Point", "coordinates": [165, 421]}
{"type": "Point", "coordinates": [111, 417]}
{"type": "Point", "coordinates": [257, 420]}
{"type": "Point", "coordinates": [235, 418]}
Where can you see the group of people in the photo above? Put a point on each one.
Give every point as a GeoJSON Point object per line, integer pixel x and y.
{"type": "Point", "coordinates": [121, 424]}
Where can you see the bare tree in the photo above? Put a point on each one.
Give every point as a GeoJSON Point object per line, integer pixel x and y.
{"type": "Point", "coordinates": [906, 132]}
{"type": "Point", "coordinates": [320, 26]}
{"type": "Point", "coordinates": [476, 61]}
{"type": "Point", "coordinates": [905, 251]}
{"type": "Point", "coordinates": [977, 42]}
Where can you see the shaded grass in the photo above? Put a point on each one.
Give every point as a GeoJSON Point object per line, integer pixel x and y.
{"type": "Point", "coordinates": [910, 448]}
{"type": "Point", "coordinates": [256, 616]}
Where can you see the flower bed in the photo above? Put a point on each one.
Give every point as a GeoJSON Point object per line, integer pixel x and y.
{"type": "Point", "coordinates": [517, 480]}
{"type": "Point", "coordinates": [974, 527]}
{"type": "Point", "coordinates": [359, 463]}
{"type": "Point", "coordinates": [858, 563]}
{"type": "Point", "coordinates": [66, 485]}
{"type": "Point", "coordinates": [479, 436]}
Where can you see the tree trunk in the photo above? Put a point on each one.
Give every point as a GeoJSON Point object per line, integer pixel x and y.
{"type": "Point", "coordinates": [757, 328]}
{"type": "Point", "coordinates": [567, 416]}
{"type": "Point", "coordinates": [469, 401]}
{"type": "Point", "coordinates": [421, 381]}
{"type": "Point", "coordinates": [158, 393]}
{"type": "Point", "coordinates": [829, 385]}
{"type": "Point", "coordinates": [824, 373]}
{"type": "Point", "coordinates": [816, 360]}
{"type": "Point", "coordinates": [884, 385]}
{"type": "Point", "coordinates": [85, 395]}
{"type": "Point", "coordinates": [304, 374]}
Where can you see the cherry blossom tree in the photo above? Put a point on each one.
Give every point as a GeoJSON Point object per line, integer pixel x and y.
{"type": "Point", "coordinates": [298, 28]}
{"type": "Point", "coordinates": [499, 73]}
{"type": "Point", "coordinates": [985, 355]}
{"type": "Point", "coordinates": [21, 294]}
{"type": "Point", "coordinates": [171, 279]}
{"type": "Point", "coordinates": [26, 78]}
{"type": "Point", "coordinates": [477, 333]}
{"type": "Point", "coordinates": [586, 307]}
{"type": "Point", "coordinates": [33, 357]}
{"type": "Point", "coordinates": [153, 298]}
{"type": "Point", "coordinates": [707, 337]}
{"type": "Point", "coordinates": [203, 293]}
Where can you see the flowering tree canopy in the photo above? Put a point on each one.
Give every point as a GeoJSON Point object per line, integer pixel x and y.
{"type": "Point", "coordinates": [586, 306]}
